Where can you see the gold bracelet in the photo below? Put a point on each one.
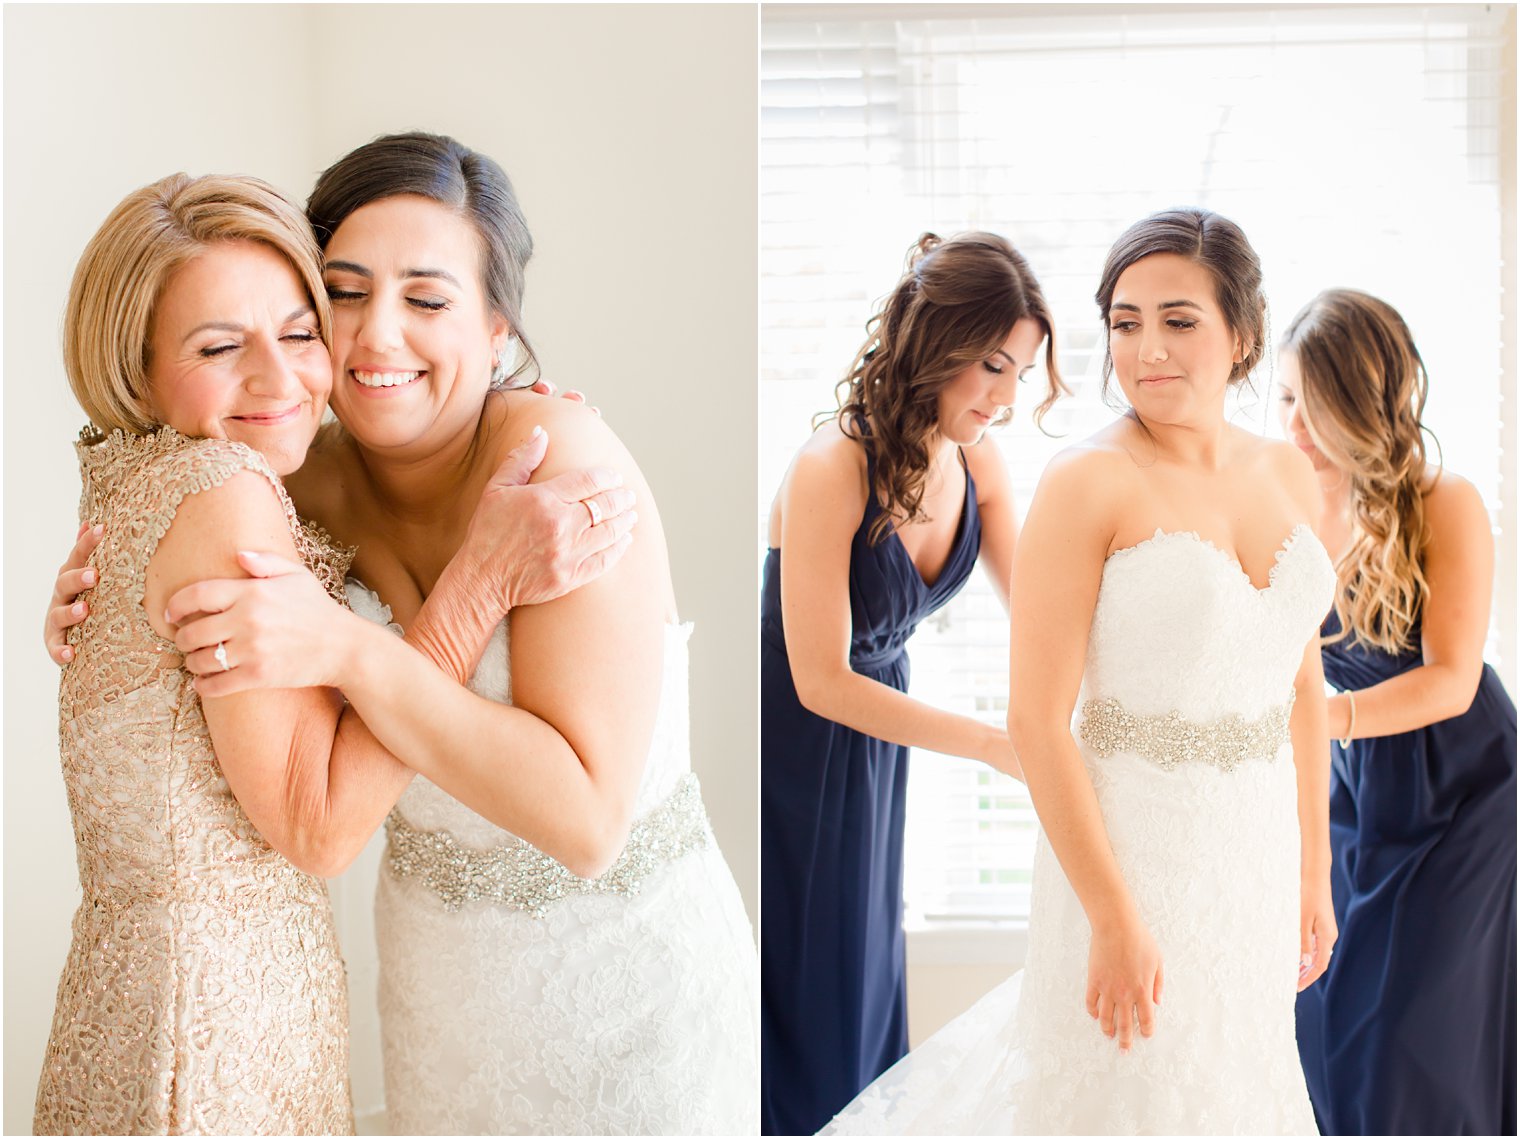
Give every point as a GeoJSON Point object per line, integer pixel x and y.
{"type": "Point", "coordinates": [1351, 724]}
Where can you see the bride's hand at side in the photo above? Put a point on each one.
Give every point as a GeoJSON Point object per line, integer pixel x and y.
{"type": "Point", "coordinates": [1317, 929]}
{"type": "Point", "coordinates": [1124, 980]}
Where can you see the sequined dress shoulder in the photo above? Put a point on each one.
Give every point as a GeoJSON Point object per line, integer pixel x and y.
{"type": "Point", "coordinates": [204, 992]}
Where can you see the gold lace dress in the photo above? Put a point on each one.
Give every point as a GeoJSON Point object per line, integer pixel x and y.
{"type": "Point", "coordinates": [204, 992]}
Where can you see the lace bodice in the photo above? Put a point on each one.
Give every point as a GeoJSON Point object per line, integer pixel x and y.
{"type": "Point", "coordinates": [204, 974]}
{"type": "Point", "coordinates": [1209, 643]}
{"type": "Point", "coordinates": [612, 1013]}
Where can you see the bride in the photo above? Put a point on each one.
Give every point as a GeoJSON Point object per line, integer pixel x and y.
{"type": "Point", "coordinates": [1167, 704]}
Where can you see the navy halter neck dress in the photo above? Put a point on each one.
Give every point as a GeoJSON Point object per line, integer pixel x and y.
{"type": "Point", "coordinates": [833, 982]}
{"type": "Point", "coordinates": [1411, 1031]}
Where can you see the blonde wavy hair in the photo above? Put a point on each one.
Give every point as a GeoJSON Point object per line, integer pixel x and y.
{"type": "Point", "coordinates": [108, 323]}
{"type": "Point", "coordinates": [953, 307]}
{"type": "Point", "coordinates": [1363, 387]}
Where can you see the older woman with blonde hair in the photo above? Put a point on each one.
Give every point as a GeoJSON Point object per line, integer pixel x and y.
{"type": "Point", "coordinates": [1413, 1029]}
{"type": "Point", "coordinates": [204, 991]}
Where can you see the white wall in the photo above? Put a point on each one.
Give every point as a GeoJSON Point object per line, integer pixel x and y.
{"type": "Point", "coordinates": [629, 133]}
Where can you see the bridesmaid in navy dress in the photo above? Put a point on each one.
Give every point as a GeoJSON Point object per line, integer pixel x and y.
{"type": "Point", "coordinates": [1412, 1030]}
{"type": "Point", "coordinates": [881, 517]}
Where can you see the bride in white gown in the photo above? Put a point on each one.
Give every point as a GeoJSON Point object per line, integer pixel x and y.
{"type": "Point", "coordinates": [1168, 707]}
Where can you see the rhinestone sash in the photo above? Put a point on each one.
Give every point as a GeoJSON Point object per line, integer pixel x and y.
{"type": "Point", "coordinates": [522, 877]}
{"type": "Point", "coordinates": [1171, 740]}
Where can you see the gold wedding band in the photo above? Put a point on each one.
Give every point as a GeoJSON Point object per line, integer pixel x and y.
{"type": "Point", "coordinates": [594, 510]}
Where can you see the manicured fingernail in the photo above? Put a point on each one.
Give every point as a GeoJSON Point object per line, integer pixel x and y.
{"type": "Point", "coordinates": [1305, 961]}
{"type": "Point", "coordinates": [88, 577]}
{"type": "Point", "coordinates": [633, 517]}
{"type": "Point", "coordinates": [249, 554]}
{"type": "Point", "coordinates": [78, 609]}
{"type": "Point", "coordinates": [537, 431]}
{"type": "Point", "coordinates": [98, 529]}
{"type": "Point", "coordinates": [67, 653]}
{"type": "Point", "coordinates": [168, 620]}
{"type": "Point", "coordinates": [617, 478]}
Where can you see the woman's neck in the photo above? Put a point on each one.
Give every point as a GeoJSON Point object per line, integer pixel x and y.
{"type": "Point", "coordinates": [416, 486]}
{"type": "Point", "coordinates": [1206, 442]}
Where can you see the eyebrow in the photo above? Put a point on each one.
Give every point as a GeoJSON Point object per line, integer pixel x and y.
{"type": "Point", "coordinates": [233, 326]}
{"type": "Point", "coordinates": [407, 274]}
{"type": "Point", "coordinates": [1011, 360]}
{"type": "Point", "coordinates": [1120, 307]}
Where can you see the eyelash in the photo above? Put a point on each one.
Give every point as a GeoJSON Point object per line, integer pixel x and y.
{"type": "Point", "coordinates": [347, 296]}
{"type": "Point", "coordinates": [1176, 323]}
{"type": "Point", "coordinates": [301, 336]}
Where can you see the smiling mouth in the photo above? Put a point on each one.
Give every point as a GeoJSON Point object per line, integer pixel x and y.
{"type": "Point", "coordinates": [385, 379]}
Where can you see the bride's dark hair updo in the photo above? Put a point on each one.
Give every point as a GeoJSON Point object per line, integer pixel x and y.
{"type": "Point", "coordinates": [954, 307]}
{"type": "Point", "coordinates": [445, 171]}
{"type": "Point", "coordinates": [1219, 246]}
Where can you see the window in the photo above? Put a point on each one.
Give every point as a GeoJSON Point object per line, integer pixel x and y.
{"type": "Point", "coordinates": [1355, 146]}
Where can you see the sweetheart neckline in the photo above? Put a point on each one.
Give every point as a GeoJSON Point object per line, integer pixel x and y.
{"type": "Point", "coordinates": [1283, 549]}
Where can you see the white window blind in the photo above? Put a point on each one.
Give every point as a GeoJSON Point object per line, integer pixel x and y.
{"type": "Point", "coordinates": [1356, 147]}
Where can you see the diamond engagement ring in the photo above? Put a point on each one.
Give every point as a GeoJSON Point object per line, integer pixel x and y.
{"type": "Point", "coordinates": [221, 655]}
{"type": "Point", "coordinates": [594, 510]}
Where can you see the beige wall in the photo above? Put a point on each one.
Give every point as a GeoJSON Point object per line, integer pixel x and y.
{"type": "Point", "coordinates": [633, 150]}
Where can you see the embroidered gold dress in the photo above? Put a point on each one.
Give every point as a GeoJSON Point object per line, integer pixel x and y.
{"type": "Point", "coordinates": [204, 992]}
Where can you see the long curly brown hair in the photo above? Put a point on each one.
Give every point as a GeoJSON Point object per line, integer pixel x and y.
{"type": "Point", "coordinates": [954, 306]}
{"type": "Point", "coordinates": [1363, 387]}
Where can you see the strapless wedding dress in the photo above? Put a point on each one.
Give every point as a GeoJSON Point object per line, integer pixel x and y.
{"type": "Point", "coordinates": [1182, 724]}
{"type": "Point", "coordinates": [518, 999]}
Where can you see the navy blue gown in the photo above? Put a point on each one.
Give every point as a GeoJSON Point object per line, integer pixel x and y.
{"type": "Point", "coordinates": [833, 983]}
{"type": "Point", "coordinates": [1412, 1029]}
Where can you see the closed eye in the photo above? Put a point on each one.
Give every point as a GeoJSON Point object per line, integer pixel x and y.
{"type": "Point", "coordinates": [427, 303]}
{"type": "Point", "coordinates": [1181, 325]}
{"type": "Point", "coordinates": [343, 296]}
{"type": "Point", "coordinates": [218, 350]}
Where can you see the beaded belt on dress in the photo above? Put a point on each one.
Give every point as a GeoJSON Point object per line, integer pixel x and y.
{"type": "Point", "coordinates": [522, 877]}
{"type": "Point", "coordinates": [1171, 740]}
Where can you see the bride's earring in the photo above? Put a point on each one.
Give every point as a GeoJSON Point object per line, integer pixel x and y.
{"type": "Point", "coordinates": [499, 370]}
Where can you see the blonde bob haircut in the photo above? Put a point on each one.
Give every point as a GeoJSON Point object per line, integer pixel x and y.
{"type": "Point", "coordinates": [108, 324]}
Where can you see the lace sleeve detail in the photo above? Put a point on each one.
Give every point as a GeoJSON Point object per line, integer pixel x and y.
{"type": "Point", "coordinates": [134, 485]}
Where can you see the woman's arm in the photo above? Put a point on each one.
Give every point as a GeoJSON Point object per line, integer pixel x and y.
{"type": "Point", "coordinates": [283, 632]}
{"type": "Point", "coordinates": [1057, 571]}
{"type": "Point", "coordinates": [314, 786]}
{"type": "Point", "coordinates": [823, 500]}
{"type": "Point", "coordinates": [1459, 568]}
{"type": "Point", "coordinates": [1311, 762]}
{"type": "Point", "coordinates": [1000, 524]}
{"type": "Point", "coordinates": [561, 765]}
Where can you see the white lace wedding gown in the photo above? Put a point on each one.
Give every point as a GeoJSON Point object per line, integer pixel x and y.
{"type": "Point", "coordinates": [516, 999]}
{"type": "Point", "coordinates": [1182, 724]}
